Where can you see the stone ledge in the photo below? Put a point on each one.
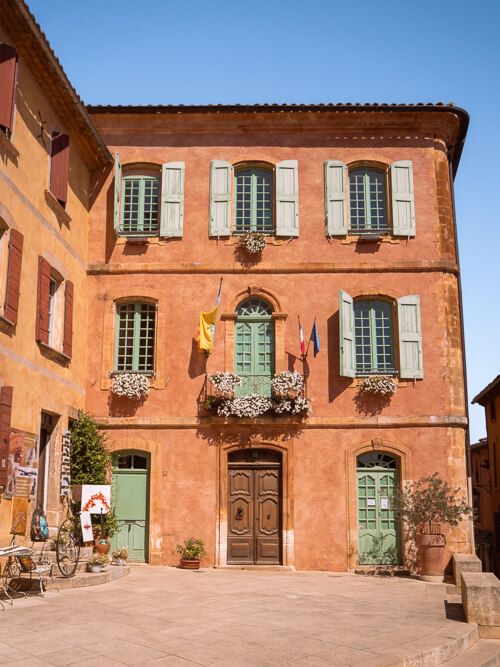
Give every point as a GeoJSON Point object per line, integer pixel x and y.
{"type": "Point", "coordinates": [465, 563]}
{"type": "Point", "coordinates": [84, 579]}
{"type": "Point", "coordinates": [481, 602]}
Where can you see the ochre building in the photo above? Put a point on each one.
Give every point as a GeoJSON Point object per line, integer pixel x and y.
{"type": "Point", "coordinates": [354, 207]}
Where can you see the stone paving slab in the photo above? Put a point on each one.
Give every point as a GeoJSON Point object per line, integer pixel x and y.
{"type": "Point", "coordinates": [166, 616]}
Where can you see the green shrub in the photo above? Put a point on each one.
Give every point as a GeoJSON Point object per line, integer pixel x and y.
{"type": "Point", "coordinates": [89, 457]}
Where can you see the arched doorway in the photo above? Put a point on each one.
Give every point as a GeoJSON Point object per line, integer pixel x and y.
{"type": "Point", "coordinates": [379, 539]}
{"type": "Point", "coordinates": [131, 502]}
{"type": "Point", "coordinates": [254, 347]}
{"type": "Point", "coordinates": [254, 507]}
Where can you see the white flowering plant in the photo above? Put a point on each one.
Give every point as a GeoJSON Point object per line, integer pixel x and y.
{"type": "Point", "coordinates": [378, 385]}
{"type": "Point", "coordinates": [130, 385]}
{"type": "Point", "coordinates": [225, 382]}
{"type": "Point", "coordinates": [299, 406]}
{"type": "Point", "coordinates": [253, 242]}
{"type": "Point", "coordinates": [288, 381]}
{"type": "Point", "coordinates": [252, 405]}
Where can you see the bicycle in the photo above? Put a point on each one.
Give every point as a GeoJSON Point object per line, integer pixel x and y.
{"type": "Point", "coordinates": [69, 540]}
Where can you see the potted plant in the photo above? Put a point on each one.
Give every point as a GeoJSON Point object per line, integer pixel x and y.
{"type": "Point", "coordinates": [104, 531]}
{"type": "Point", "coordinates": [425, 507]}
{"type": "Point", "coordinates": [134, 386]}
{"type": "Point", "coordinates": [252, 242]}
{"type": "Point", "coordinates": [120, 556]}
{"type": "Point", "coordinates": [191, 552]}
{"type": "Point", "coordinates": [96, 562]}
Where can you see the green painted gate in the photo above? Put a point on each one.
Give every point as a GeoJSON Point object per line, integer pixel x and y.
{"type": "Point", "coordinates": [254, 347]}
{"type": "Point", "coordinates": [130, 498]}
{"type": "Point", "coordinates": [378, 529]}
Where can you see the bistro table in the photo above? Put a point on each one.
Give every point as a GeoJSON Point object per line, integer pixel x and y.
{"type": "Point", "coordinates": [11, 570]}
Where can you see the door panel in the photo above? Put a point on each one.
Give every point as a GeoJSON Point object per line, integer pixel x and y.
{"type": "Point", "coordinates": [130, 493]}
{"type": "Point", "coordinates": [254, 534]}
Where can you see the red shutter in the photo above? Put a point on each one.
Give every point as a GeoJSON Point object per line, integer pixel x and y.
{"type": "Point", "coordinates": [8, 62]}
{"type": "Point", "coordinates": [13, 275]}
{"type": "Point", "coordinates": [5, 414]}
{"type": "Point", "coordinates": [68, 319]}
{"type": "Point", "coordinates": [59, 166]}
{"type": "Point", "coordinates": [42, 315]}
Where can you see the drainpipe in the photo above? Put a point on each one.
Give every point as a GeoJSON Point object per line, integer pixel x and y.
{"type": "Point", "coordinates": [468, 461]}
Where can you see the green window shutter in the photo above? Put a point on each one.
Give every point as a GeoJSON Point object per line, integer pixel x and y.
{"type": "Point", "coordinates": [287, 198]}
{"type": "Point", "coordinates": [403, 204]}
{"type": "Point", "coordinates": [172, 199]}
{"type": "Point", "coordinates": [118, 186]}
{"type": "Point", "coordinates": [346, 326]}
{"type": "Point", "coordinates": [335, 198]}
{"type": "Point", "coordinates": [221, 178]}
{"type": "Point", "coordinates": [410, 338]}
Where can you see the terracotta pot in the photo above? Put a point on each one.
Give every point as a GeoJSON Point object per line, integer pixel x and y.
{"type": "Point", "coordinates": [189, 564]}
{"type": "Point", "coordinates": [430, 556]}
{"type": "Point", "coordinates": [102, 547]}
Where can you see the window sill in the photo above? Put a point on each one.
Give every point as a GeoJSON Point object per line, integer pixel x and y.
{"type": "Point", "coordinates": [150, 374]}
{"type": "Point", "coordinates": [7, 145]}
{"type": "Point", "coordinates": [57, 208]}
{"type": "Point", "coordinates": [54, 354]}
{"type": "Point", "coordinates": [353, 237]}
{"type": "Point", "coordinates": [6, 322]}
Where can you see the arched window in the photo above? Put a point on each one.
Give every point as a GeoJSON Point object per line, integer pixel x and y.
{"type": "Point", "coordinates": [135, 337]}
{"type": "Point", "coordinates": [254, 347]}
{"type": "Point", "coordinates": [367, 193]}
{"type": "Point", "coordinates": [374, 338]}
{"type": "Point", "coordinates": [139, 212]}
{"type": "Point", "coordinates": [253, 200]}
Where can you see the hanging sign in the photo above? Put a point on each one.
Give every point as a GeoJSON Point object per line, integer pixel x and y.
{"type": "Point", "coordinates": [22, 487]}
{"type": "Point", "coordinates": [65, 464]}
{"type": "Point", "coordinates": [94, 498]}
{"type": "Point", "coordinates": [86, 522]}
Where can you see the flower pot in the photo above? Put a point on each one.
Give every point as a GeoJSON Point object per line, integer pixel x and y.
{"type": "Point", "coordinates": [189, 564]}
{"type": "Point", "coordinates": [120, 561]}
{"type": "Point", "coordinates": [102, 547]}
{"type": "Point", "coordinates": [430, 556]}
{"type": "Point", "coordinates": [95, 569]}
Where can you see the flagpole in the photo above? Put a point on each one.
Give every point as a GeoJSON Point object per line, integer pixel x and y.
{"type": "Point", "coordinates": [309, 341]}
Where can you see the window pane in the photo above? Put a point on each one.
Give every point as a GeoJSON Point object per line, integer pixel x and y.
{"type": "Point", "coordinates": [254, 201]}
{"type": "Point", "coordinates": [357, 200]}
{"type": "Point", "coordinates": [140, 204]}
{"type": "Point", "coordinates": [373, 337]}
{"type": "Point", "coordinates": [367, 200]}
{"type": "Point", "coordinates": [136, 337]}
{"type": "Point", "coordinates": [140, 462]}
{"type": "Point", "coordinates": [125, 461]}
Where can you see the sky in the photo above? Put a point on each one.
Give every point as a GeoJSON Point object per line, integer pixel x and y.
{"type": "Point", "coordinates": [166, 52]}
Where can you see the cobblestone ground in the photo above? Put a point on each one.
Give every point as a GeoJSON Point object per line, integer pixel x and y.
{"type": "Point", "coordinates": [161, 615]}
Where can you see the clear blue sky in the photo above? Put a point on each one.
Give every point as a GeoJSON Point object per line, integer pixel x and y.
{"type": "Point", "coordinates": [166, 52]}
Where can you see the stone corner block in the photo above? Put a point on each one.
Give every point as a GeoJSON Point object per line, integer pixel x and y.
{"type": "Point", "coordinates": [481, 601]}
{"type": "Point", "coordinates": [465, 563]}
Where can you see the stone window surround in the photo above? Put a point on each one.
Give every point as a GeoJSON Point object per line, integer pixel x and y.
{"type": "Point", "coordinates": [109, 329]}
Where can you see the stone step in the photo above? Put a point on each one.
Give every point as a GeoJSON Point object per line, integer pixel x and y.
{"type": "Point", "coordinates": [383, 570]}
{"type": "Point", "coordinates": [484, 653]}
{"type": "Point", "coordinates": [81, 579]}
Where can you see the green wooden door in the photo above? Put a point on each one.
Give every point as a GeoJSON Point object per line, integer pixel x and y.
{"type": "Point", "coordinates": [378, 528]}
{"type": "Point", "coordinates": [254, 348]}
{"type": "Point", "coordinates": [130, 497]}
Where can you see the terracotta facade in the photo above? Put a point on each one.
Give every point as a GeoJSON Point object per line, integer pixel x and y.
{"type": "Point", "coordinates": [422, 427]}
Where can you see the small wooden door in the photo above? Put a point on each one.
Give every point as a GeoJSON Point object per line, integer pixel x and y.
{"type": "Point", "coordinates": [378, 528]}
{"type": "Point", "coordinates": [254, 511]}
{"type": "Point", "coordinates": [130, 497]}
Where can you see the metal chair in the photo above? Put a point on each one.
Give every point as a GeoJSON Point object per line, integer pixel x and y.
{"type": "Point", "coordinates": [40, 572]}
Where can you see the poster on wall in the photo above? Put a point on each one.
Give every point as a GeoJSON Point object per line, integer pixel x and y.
{"type": "Point", "coordinates": [95, 498]}
{"type": "Point", "coordinates": [23, 461]}
{"type": "Point", "coordinates": [19, 516]}
{"type": "Point", "coordinates": [65, 463]}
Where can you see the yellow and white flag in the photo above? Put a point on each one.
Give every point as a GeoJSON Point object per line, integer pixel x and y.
{"type": "Point", "coordinates": [206, 329]}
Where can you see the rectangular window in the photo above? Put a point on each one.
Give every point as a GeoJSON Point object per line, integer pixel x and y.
{"type": "Point", "coordinates": [140, 205]}
{"type": "Point", "coordinates": [254, 201]}
{"type": "Point", "coordinates": [52, 310]}
{"type": "Point", "coordinates": [367, 201]}
{"type": "Point", "coordinates": [374, 337]}
{"type": "Point", "coordinates": [135, 332]}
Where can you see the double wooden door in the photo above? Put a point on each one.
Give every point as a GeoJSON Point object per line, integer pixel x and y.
{"type": "Point", "coordinates": [254, 511]}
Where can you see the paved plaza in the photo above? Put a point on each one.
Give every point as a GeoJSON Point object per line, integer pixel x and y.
{"type": "Point", "coordinates": [167, 616]}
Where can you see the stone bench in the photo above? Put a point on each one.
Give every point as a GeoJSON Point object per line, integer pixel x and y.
{"type": "Point", "coordinates": [481, 602]}
{"type": "Point", "coordinates": [465, 563]}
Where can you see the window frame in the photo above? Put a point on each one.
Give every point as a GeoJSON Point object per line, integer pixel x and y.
{"type": "Point", "coordinates": [56, 311]}
{"type": "Point", "coordinates": [254, 167]}
{"type": "Point", "coordinates": [366, 168]}
{"type": "Point", "coordinates": [254, 318]}
{"type": "Point", "coordinates": [4, 263]}
{"type": "Point", "coordinates": [142, 175]}
{"type": "Point", "coordinates": [394, 342]}
{"type": "Point", "coordinates": [136, 337]}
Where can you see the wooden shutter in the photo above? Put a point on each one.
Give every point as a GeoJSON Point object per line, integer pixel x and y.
{"type": "Point", "coordinates": [42, 316]}
{"type": "Point", "coordinates": [8, 63]}
{"type": "Point", "coordinates": [287, 198]}
{"type": "Point", "coordinates": [410, 337]}
{"type": "Point", "coordinates": [221, 179]}
{"type": "Point", "coordinates": [346, 326]}
{"type": "Point", "coordinates": [335, 198]}
{"type": "Point", "coordinates": [5, 417]}
{"type": "Point", "coordinates": [117, 198]}
{"type": "Point", "coordinates": [172, 199]}
{"type": "Point", "coordinates": [403, 205]}
{"type": "Point", "coordinates": [13, 275]}
{"type": "Point", "coordinates": [68, 319]}
{"type": "Point", "coordinates": [59, 166]}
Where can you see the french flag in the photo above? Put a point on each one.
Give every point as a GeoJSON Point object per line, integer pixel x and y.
{"type": "Point", "coordinates": [301, 339]}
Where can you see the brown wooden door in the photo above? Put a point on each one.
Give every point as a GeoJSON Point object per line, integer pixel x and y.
{"type": "Point", "coordinates": [254, 516]}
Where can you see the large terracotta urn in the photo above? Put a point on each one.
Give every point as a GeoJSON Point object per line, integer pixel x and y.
{"type": "Point", "coordinates": [430, 544]}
